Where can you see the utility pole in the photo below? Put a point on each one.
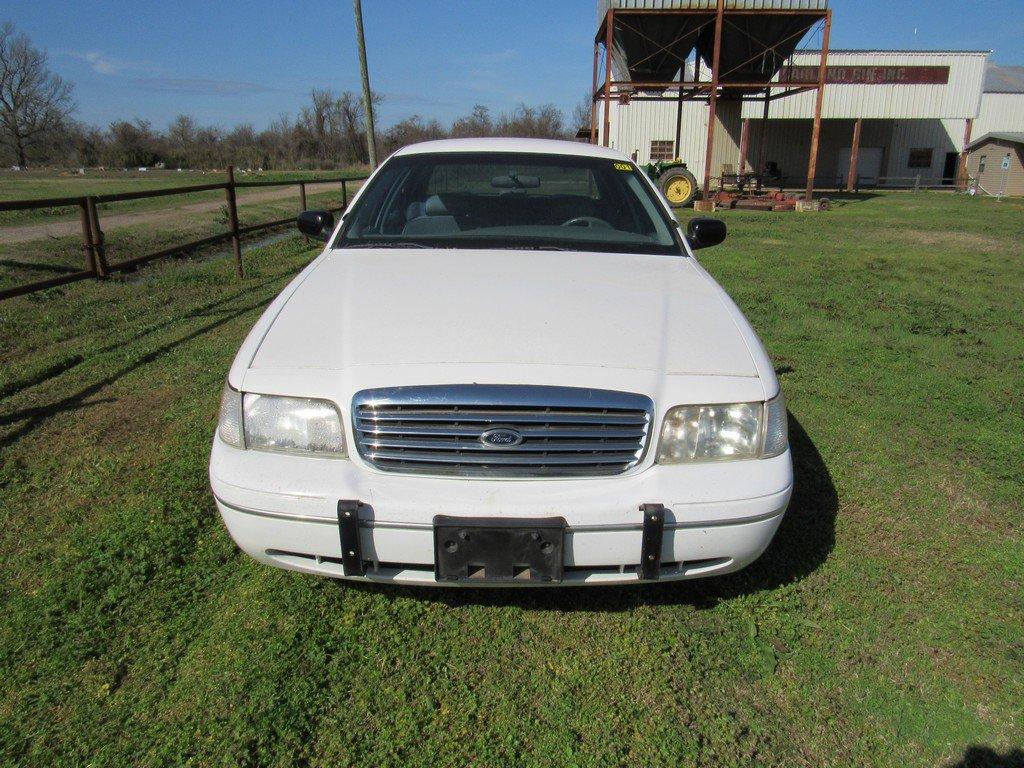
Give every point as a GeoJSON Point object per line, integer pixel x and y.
{"type": "Point", "coordinates": [371, 136]}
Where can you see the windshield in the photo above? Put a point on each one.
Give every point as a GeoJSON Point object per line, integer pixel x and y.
{"type": "Point", "coordinates": [509, 200]}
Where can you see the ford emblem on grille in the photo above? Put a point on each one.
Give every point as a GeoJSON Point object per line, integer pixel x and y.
{"type": "Point", "coordinates": [501, 437]}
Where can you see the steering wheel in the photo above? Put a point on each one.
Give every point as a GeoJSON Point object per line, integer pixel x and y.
{"type": "Point", "coordinates": [586, 221]}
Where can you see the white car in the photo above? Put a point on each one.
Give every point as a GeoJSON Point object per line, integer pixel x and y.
{"type": "Point", "coordinates": [506, 367]}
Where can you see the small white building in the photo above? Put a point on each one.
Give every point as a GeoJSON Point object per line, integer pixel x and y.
{"type": "Point", "coordinates": [914, 108]}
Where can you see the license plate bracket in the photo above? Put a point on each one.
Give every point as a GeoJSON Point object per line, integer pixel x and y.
{"type": "Point", "coordinates": [495, 550]}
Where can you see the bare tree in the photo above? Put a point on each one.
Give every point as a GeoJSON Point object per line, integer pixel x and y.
{"type": "Point", "coordinates": [543, 122]}
{"type": "Point", "coordinates": [34, 102]}
{"type": "Point", "coordinates": [132, 144]}
{"type": "Point", "coordinates": [410, 131]}
{"type": "Point", "coordinates": [474, 125]}
{"type": "Point", "coordinates": [581, 113]}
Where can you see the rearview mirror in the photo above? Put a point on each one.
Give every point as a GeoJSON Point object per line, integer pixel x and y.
{"type": "Point", "coordinates": [704, 232]}
{"type": "Point", "coordinates": [513, 181]}
{"type": "Point", "coordinates": [317, 224]}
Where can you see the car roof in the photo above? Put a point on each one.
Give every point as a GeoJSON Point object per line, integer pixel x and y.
{"type": "Point", "coordinates": [536, 146]}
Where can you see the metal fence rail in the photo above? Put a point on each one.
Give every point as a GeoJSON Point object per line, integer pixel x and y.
{"type": "Point", "coordinates": [93, 249]}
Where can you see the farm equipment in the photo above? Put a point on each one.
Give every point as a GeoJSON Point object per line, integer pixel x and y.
{"type": "Point", "coordinates": [743, 190]}
{"type": "Point", "coordinates": [758, 199]}
{"type": "Point", "coordinates": [674, 180]}
{"type": "Point", "coordinates": [748, 191]}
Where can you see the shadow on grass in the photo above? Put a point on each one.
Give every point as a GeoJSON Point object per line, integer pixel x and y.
{"type": "Point", "coordinates": [29, 419]}
{"type": "Point", "coordinates": [50, 372]}
{"type": "Point", "coordinates": [33, 417]}
{"type": "Point", "coordinates": [984, 757]}
{"type": "Point", "coordinates": [849, 197]}
{"type": "Point", "coordinates": [800, 546]}
{"type": "Point", "coordinates": [38, 266]}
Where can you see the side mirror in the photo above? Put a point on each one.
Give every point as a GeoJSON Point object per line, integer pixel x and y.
{"type": "Point", "coordinates": [704, 232]}
{"type": "Point", "coordinates": [317, 224]}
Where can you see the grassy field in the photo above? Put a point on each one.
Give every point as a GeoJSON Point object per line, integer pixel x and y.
{"type": "Point", "coordinates": [883, 627]}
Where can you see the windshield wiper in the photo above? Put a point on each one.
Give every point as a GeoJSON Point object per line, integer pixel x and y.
{"type": "Point", "coordinates": [535, 248]}
{"type": "Point", "coordinates": [385, 244]}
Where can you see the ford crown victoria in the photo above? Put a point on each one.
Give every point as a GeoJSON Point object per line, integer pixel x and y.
{"type": "Point", "coordinates": [506, 367]}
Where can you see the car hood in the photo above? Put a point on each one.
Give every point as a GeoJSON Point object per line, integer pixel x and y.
{"type": "Point", "coordinates": [367, 307]}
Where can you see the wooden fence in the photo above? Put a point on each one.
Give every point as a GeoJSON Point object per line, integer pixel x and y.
{"type": "Point", "coordinates": [92, 232]}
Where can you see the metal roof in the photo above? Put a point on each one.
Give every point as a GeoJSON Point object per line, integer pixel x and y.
{"type": "Point", "coordinates": [653, 39]}
{"type": "Point", "coordinates": [1014, 137]}
{"type": "Point", "coordinates": [903, 51]}
{"type": "Point", "coordinates": [711, 5]}
{"type": "Point", "coordinates": [999, 79]}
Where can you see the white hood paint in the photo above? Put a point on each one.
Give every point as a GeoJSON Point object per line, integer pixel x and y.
{"type": "Point", "coordinates": [377, 307]}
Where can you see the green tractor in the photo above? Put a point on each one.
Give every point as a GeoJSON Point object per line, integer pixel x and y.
{"type": "Point", "coordinates": [675, 181]}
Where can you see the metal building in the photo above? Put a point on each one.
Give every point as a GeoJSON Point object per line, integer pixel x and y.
{"type": "Point", "coordinates": [686, 51]}
{"type": "Point", "coordinates": [897, 118]}
{"type": "Point", "coordinates": [1002, 103]}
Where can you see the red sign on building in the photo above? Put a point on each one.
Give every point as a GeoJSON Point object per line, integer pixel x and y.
{"type": "Point", "coordinates": [840, 75]}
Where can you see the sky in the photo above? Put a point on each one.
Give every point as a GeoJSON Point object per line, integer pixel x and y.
{"type": "Point", "coordinates": [227, 62]}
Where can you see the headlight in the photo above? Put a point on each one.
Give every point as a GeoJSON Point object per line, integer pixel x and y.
{"type": "Point", "coordinates": [292, 425]}
{"type": "Point", "coordinates": [722, 432]}
{"type": "Point", "coordinates": [776, 428]}
{"type": "Point", "coordinates": [283, 424]}
{"type": "Point", "coordinates": [229, 425]}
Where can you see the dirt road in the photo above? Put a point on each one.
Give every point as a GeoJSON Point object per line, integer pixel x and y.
{"type": "Point", "coordinates": [109, 221]}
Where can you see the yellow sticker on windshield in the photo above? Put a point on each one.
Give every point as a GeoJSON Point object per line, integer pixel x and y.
{"type": "Point", "coordinates": [623, 167]}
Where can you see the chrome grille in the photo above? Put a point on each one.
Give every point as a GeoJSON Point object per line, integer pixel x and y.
{"type": "Point", "coordinates": [561, 431]}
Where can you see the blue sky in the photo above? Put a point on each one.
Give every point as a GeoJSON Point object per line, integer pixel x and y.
{"type": "Point", "coordinates": [227, 62]}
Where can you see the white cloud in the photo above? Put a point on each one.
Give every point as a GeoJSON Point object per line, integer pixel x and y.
{"type": "Point", "coordinates": [101, 63]}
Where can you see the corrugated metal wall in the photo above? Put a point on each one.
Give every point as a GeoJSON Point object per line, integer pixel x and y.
{"type": "Point", "coordinates": [634, 126]}
{"type": "Point", "coordinates": [788, 142]}
{"type": "Point", "coordinates": [788, 145]}
{"type": "Point", "coordinates": [1000, 112]}
{"type": "Point", "coordinates": [897, 119]}
{"type": "Point", "coordinates": [961, 97]}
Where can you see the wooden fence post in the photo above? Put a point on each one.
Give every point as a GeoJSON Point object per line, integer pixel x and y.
{"type": "Point", "coordinates": [302, 197]}
{"type": "Point", "coordinates": [98, 248]}
{"type": "Point", "coordinates": [344, 194]}
{"type": "Point", "coordinates": [236, 245]}
{"type": "Point", "coordinates": [88, 248]}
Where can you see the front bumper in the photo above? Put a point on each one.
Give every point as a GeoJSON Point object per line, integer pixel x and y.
{"type": "Point", "coordinates": [282, 510]}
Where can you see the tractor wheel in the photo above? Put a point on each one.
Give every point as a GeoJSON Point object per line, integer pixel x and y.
{"type": "Point", "coordinates": [679, 186]}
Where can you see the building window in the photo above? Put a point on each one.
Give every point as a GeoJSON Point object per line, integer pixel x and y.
{"type": "Point", "coordinates": [662, 149]}
{"type": "Point", "coordinates": [981, 164]}
{"type": "Point", "coordinates": [920, 158]}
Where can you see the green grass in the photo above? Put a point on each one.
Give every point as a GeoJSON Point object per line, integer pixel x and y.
{"type": "Point", "coordinates": [883, 627]}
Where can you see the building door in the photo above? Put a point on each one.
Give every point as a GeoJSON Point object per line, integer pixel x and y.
{"type": "Point", "coordinates": [869, 164]}
{"type": "Point", "coordinates": [950, 168]}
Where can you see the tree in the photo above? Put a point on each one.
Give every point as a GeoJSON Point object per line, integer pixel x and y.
{"type": "Point", "coordinates": [474, 125]}
{"type": "Point", "coordinates": [410, 131]}
{"type": "Point", "coordinates": [34, 102]}
{"type": "Point", "coordinates": [543, 122]}
{"type": "Point", "coordinates": [581, 113]}
{"type": "Point", "coordinates": [132, 144]}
